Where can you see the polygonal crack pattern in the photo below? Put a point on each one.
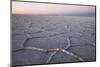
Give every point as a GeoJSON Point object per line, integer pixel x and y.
{"type": "Point", "coordinates": [57, 39]}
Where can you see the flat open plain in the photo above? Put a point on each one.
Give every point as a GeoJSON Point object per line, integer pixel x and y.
{"type": "Point", "coordinates": [70, 38]}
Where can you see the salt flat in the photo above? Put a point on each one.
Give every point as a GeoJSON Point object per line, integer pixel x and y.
{"type": "Point", "coordinates": [51, 32]}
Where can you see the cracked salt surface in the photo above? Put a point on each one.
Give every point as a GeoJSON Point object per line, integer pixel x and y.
{"type": "Point", "coordinates": [52, 39]}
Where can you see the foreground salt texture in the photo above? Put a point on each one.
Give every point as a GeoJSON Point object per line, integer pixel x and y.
{"type": "Point", "coordinates": [52, 39]}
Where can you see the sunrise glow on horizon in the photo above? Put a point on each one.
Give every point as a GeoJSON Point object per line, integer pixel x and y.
{"type": "Point", "coordinates": [50, 9]}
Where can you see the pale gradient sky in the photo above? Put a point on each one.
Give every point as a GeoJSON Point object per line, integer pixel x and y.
{"type": "Point", "coordinates": [49, 9]}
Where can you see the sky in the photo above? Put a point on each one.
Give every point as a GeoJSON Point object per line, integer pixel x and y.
{"type": "Point", "coordinates": [28, 8]}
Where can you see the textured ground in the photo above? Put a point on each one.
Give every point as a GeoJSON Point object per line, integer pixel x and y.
{"type": "Point", "coordinates": [52, 39]}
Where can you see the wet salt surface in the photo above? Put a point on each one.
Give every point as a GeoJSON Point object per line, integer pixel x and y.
{"type": "Point", "coordinates": [50, 32]}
